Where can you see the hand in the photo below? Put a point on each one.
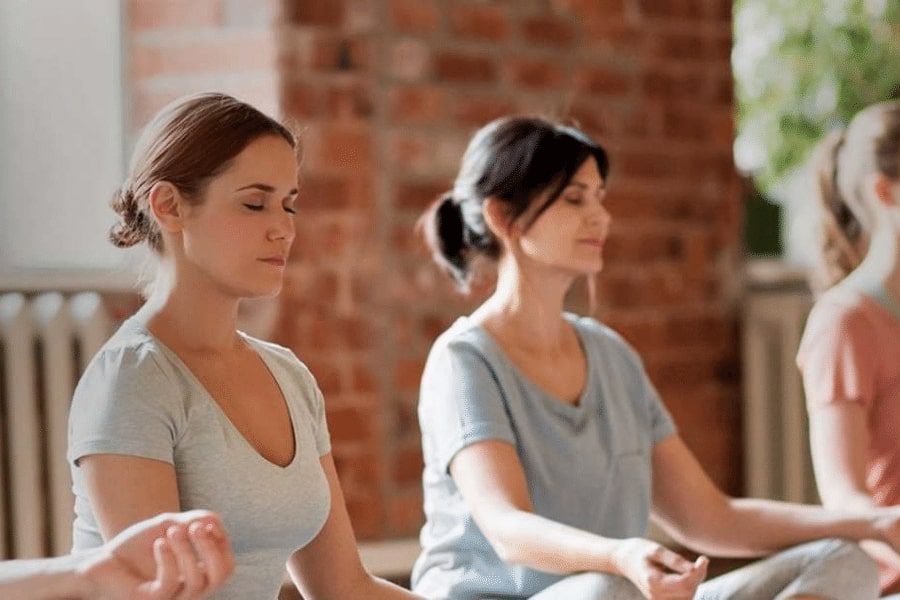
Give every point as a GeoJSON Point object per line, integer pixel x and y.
{"type": "Point", "coordinates": [886, 524]}
{"type": "Point", "coordinates": [659, 573]}
{"type": "Point", "coordinates": [174, 556]}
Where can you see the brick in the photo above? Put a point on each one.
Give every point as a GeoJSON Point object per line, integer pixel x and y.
{"type": "Point", "coordinates": [408, 374]}
{"type": "Point", "coordinates": [144, 15]}
{"type": "Point", "coordinates": [460, 67]}
{"type": "Point", "coordinates": [418, 195]}
{"type": "Point", "coordinates": [657, 82]}
{"type": "Point", "coordinates": [610, 10]}
{"type": "Point", "coordinates": [548, 30]}
{"type": "Point", "coordinates": [536, 74]}
{"type": "Point", "coordinates": [410, 60]}
{"type": "Point", "coordinates": [681, 46]}
{"type": "Point", "coordinates": [479, 21]}
{"type": "Point", "coordinates": [669, 9]}
{"type": "Point", "coordinates": [304, 12]}
{"type": "Point", "coordinates": [351, 424]}
{"type": "Point", "coordinates": [475, 110]}
{"type": "Point", "coordinates": [686, 124]}
{"type": "Point", "coordinates": [324, 192]}
{"type": "Point", "coordinates": [417, 104]}
{"type": "Point", "coordinates": [336, 147]}
{"type": "Point", "coordinates": [405, 515]}
{"type": "Point", "coordinates": [349, 101]}
{"type": "Point", "coordinates": [415, 16]}
{"type": "Point", "coordinates": [327, 375]}
{"type": "Point", "coordinates": [366, 514]}
{"type": "Point", "coordinates": [301, 100]}
{"type": "Point", "coordinates": [408, 465]}
{"type": "Point", "coordinates": [595, 79]}
{"type": "Point", "coordinates": [364, 379]}
{"type": "Point", "coordinates": [341, 54]}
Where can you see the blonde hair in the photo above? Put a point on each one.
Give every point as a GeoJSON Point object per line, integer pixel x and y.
{"type": "Point", "coordinates": [845, 159]}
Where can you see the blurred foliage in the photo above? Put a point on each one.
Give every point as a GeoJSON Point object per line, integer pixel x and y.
{"type": "Point", "coordinates": [802, 68]}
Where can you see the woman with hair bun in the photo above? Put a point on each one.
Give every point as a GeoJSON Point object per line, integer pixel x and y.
{"type": "Point", "coordinates": [179, 409]}
{"type": "Point", "coordinates": [850, 352]}
{"type": "Point", "coordinates": [546, 446]}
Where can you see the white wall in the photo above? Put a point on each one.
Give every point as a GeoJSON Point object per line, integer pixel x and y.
{"type": "Point", "coordinates": [61, 133]}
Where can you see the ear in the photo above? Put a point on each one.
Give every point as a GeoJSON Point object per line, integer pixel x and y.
{"type": "Point", "coordinates": [884, 192]}
{"type": "Point", "coordinates": [167, 206]}
{"type": "Point", "coordinates": [497, 219]}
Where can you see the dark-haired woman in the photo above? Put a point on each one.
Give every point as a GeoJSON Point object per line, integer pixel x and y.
{"type": "Point", "coordinates": [179, 409]}
{"type": "Point", "coordinates": [546, 446]}
{"type": "Point", "coordinates": [850, 353]}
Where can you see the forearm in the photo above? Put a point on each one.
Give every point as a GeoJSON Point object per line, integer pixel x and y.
{"type": "Point", "coordinates": [379, 589]}
{"type": "Point", "coordinates": [45, 579]}
{"type": "Point", "coordinates": [753, 527]}
{"type": "Point", "coordinates": [524, 538]}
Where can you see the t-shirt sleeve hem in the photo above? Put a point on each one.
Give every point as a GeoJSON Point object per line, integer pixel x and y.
{"type": "Point", "coordinates": [663, 431]}
{"type": "Point", "coordinates": [474, 433]}
{"type": "Point", "coordinates": [124, 447]}
{"type": "Point", "coordinates": [323, 447]}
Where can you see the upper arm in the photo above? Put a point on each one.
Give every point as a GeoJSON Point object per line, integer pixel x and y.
{"type": "Point", "coordinates": [329, 566]}
{"type": "Point", "coordinates": [839, 440]}
{"type": "Point", "coordinates": [685, 500]}
{"type": "Point", "coordinates": [125, 421]}
{"type": "Point", "coordinates": [838, 363]}
{"type": "Point", "coordinates": [492, 481]}
{"type": "Point", "coordinates": [126, 489]}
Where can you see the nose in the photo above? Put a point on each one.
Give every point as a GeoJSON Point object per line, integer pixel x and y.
{"type": "Point", "coordinates": [282, 228]}
{"type": "Point", "coordinates": [599, 216]}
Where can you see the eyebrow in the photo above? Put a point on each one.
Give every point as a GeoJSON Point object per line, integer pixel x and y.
{"type": "Point", "coordinates": [265, 188]}
{"type": "Point", "coordinates": [585, 186]}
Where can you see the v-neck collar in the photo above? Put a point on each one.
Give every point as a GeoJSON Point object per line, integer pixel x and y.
{"type": "Point", "coordinates": [181, 366]}
{"type": "Point", "coordinates": [575, 412]}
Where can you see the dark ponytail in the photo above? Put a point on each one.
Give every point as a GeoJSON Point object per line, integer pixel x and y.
{"type": "Point", "coordinates": [444, 230]}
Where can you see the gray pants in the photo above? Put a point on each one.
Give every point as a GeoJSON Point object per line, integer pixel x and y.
{"type": "Point", "coordinates": [829, 569]}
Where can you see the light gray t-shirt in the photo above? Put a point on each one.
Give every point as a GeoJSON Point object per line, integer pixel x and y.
{"type": "Point", "coordinates": [138, 398]}
{"type": "Point", "coordinates": [587, 465]}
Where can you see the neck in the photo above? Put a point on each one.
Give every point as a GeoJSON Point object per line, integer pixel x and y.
{"type": "Point", "coordinates": [527, 303]}
{"type": "Point", "coordinates": [190, 312]}
{"type": "Point", "coordinates": [881, 265]}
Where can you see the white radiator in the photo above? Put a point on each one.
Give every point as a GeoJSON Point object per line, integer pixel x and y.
{"type": "Point", "coordinates": [46, 341]}
{"type": "Point", "coordinates": [777, 460]}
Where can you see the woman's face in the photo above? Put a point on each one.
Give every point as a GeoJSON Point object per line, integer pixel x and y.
{"type": "Point", "coordinates": [240, 236]}
{"type": "Point", "coordinates": [570, 233]}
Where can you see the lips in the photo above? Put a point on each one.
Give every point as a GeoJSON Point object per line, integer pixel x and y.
{"type": "Point", "coordinates": [277, 261]}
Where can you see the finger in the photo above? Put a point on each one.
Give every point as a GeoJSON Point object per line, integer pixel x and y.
{"type": "Point", "coordinates": [167, 582]}
{"type": "Point", "coordinates": [193, 578]}
{"type": "Point", "coordinates": [220, 537]}
{"type": "Point", "coordinates": [671, 560]}
{"type": "Point", "coordinates": [219, 564]}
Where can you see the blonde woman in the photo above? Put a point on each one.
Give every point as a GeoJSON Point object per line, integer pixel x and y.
{"type": "Point", "coordinates": [850, 353]}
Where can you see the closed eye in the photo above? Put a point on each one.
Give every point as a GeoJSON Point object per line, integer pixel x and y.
{"type": "Point", "coordinates": [255, 207]}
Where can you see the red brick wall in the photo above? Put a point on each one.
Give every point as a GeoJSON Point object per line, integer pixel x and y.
{"type": "Point", "coordinates": [385, 94]}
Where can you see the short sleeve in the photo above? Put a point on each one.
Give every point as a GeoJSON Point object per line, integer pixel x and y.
{"type": "Point", "coordinates": [639, 386]}
{"type": "Point", "coordinates": [661, 423]}
{"type": "Point", "coordinates": [313, 401]}
{"type": "Point", "coordinates": [461, 403]}
{"type": "Point", "coordinates": [320, 423]}
{"type": "Point", "coordinates": [836, 356]}
{"type": "Point", "coordinates": [125, 404]}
